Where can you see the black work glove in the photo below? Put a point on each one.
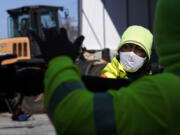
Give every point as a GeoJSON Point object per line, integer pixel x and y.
{"type": "Point", "coordinates": [56, 43]}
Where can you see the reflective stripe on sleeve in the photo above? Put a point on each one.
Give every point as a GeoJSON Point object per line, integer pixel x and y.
{"type": "Point", "coordinates": [104, 114]}
{"type": "Point", "coordinates": [61, 92]}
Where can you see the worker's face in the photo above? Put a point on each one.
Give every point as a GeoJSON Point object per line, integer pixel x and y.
{"type": "Point", "coordinates": [132, 57]}
{"type": "Point", "coordinates": [133, 48]}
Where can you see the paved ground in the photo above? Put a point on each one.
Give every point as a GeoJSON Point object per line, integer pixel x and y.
{"type": "Point", "coordinates": [38, 124]}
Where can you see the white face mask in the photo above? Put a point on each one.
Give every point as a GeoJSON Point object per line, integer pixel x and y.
{"type": "Point", "coordinates": [131, 61]}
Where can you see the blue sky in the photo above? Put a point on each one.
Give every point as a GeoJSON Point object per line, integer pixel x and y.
{"type": "Point", "coordinates": [10, 4]}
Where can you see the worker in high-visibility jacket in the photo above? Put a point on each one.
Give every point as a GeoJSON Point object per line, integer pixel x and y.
{"type": "Point", "coordinates": [134, 54]}
{"type": "Point", "coordinates": [148, 106]}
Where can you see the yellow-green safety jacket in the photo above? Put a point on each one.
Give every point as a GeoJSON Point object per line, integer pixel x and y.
{"type": "Point", "coordinates": [114, 70]}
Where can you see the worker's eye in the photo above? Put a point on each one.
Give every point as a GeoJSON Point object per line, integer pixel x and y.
{"type": "Point", "coordinates": [127, 47]}
{"type": "Point", "coordinates": [139, 49]}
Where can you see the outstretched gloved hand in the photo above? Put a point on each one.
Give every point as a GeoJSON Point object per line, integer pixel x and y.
{"type": "Point", "coordinates": [56, 43]}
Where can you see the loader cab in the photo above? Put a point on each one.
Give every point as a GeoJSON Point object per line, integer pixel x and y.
{"type": "Point", "coordinates": [23, 19]}
{"type": "Point", "coordinates": [33, 17]}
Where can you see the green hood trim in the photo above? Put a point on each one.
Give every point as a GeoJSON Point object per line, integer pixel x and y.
{"type": "Point", "coordinates": [138, 35]}
{"type": "Point", "coordinates": [167, 34]}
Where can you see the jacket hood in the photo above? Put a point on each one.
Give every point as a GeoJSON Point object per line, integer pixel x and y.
{"type": "Point", "coordinates": [138, 35]}
{"type": "Point", "coordinates": [167, 34]}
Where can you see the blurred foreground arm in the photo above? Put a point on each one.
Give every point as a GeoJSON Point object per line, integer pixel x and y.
{"type": "Point", "coordinates": [146, 107]}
